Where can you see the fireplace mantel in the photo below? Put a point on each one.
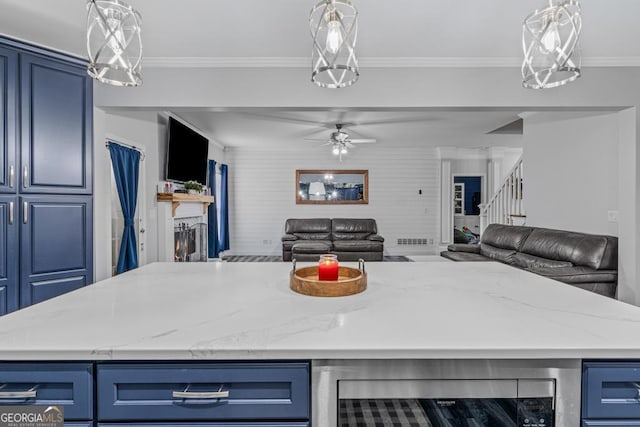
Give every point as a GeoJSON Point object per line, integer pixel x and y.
{"type": "Point", "coordinates": [177, 198]}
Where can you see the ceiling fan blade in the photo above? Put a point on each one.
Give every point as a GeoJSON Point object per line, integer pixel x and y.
{"type": "Point", "coordinates": [317, 139]}
{"type": "Point", "coordinates": [363, 141]}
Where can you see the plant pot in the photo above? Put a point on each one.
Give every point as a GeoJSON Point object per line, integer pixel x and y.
{"type": "Point", "coordinates": [193, 192]}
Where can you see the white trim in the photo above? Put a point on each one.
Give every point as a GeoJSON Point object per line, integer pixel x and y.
{"type": "Point", "coordinates": [369, 62]}
{"type": "Point", "coordinates": [115, 138]}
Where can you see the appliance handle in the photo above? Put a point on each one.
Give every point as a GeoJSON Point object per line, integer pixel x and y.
{"type": "Point", "coordinates": [11, 213]}
{"type": "Point", "coordinates": [25, 176]}
{"type": "Point", "coordinates": [12, 174]}
{"type": "Point", "coordinates": [428, 389]}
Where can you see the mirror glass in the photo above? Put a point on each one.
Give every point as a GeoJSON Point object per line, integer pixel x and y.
{"type": "Point", "coordinates": [332, 187]}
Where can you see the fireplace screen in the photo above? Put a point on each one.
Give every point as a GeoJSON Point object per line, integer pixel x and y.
{"type": "Point", "coordinates": [190, 242]}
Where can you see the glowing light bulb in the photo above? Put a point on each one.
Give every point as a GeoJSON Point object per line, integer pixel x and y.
{"type": "Point", "coordinates": [334, 34]}
{"type": "Point", "coordinates": [551, 37]}
{"type": "Point", "coordinates": [336, 151]}
{"type": "Point", "coordinates": [114, 32]}
{"type": "Point", "coordinates": [343, 150]}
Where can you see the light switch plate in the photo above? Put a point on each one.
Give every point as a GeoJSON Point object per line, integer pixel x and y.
{"type": "Point", "coordinates": [612, 216]}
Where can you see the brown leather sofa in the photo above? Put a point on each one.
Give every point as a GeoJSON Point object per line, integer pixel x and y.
{"type": "Point", "coordinates": [586, 261]}
{"type": "Point", "coordinates": [350, 239]}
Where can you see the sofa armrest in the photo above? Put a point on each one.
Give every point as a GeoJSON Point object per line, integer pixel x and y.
{"type": "Point", "coordinates": [576, 274]}
{"type": "Point", "coordinates": [464, 247]}
{"type": "Point", "coordinates": [375, 238]}
{"type": "Point", "coordinates": [288, 237]}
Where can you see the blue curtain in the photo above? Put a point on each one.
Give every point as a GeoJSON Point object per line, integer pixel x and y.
{"type": "Point", "coordinates": [224, 210]}
{"type": "Point", "coordinates": [126, 169]}
{"type": "Point", "coordinates": [212, 216]}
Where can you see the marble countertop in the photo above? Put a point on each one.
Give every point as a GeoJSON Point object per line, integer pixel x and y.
{"type": "Point", "coordinates": [247, 311]}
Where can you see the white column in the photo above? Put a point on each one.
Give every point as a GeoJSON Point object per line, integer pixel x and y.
{"type": "Point", "coordinates": [446, 201]}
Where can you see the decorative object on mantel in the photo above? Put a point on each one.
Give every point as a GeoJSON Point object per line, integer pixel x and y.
{"type": "Point", "coordinates": [177, 198]}
{"type": "Point", "coordinates": [193, 187]}
{"type": "Point", "coordinates": [550, 40]}
{"type": "Point", "coordinates": [350, 281]}
{"type": "Point", "coordinates": [334, 28]}
{"type": "Point", "coordinates": [114, 44]}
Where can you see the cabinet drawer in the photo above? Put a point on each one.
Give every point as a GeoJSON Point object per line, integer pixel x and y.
{"type": "Point", "coordinates": [63, 384]}
{"type": "Point", "coordinates": [222, 424]}
{"type": "Point", "coordinates": [207, 391]}
{"type": "Point", "coordinates": [611, 390]}
{"type": "Point", "coordinates": [611, 423]}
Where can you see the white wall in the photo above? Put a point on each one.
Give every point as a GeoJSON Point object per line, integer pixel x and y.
{"type": "Point", "coordinates": [571, 172]}
{"type": "Point", "coordinates": [263, 192]}
{"type": "Point", "coordinates": [140, 130]}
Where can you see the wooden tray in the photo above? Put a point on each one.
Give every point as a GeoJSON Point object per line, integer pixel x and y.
{"type": "Point", "coordinates": [350, 281]}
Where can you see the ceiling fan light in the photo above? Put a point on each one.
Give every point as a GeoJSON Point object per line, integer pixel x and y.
{"type": "Point", "coordinates": [114, 43]}
{"type": "Point", "coordinates": [550, 41]}
{"type": "Point", "coordinates": [343, 150]}
{"type": "Point", "coordinates": [334, 29]}
{"type": "Point", "coordinates": [336, 150]}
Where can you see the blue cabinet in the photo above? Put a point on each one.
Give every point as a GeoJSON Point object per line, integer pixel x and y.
{"type": "Point", "coordinates": [69, 385]}
{"type": "Point", "coordinates": [9, 254]}
{"type": "Point", "coordinates": [203, 392]}
{"type": "Point", "coordinates": [8, 103]}
{"type": "Point", "coordinates": [46, 128]}
{"type": "Point", "coordinates": [56, 124]}
{"type": "Point", "coordinates": [56, 246]}
{"type": "Point", "coordinates": [610, 394]}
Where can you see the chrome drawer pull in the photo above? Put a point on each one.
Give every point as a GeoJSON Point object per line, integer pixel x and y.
{"type": "Point", "coordinates": [12, 174]}
{"type": "Point", "coordinates": [18, 394]}
{"type": "Point", "coordinates": [25, 177]}
{"type": "Point", "coordinates": [200, 395]}
{"type": "Point", "coordinates": [10, 213]}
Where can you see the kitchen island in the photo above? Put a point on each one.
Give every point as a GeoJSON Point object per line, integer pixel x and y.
{"type": "Point", "coordinates": [453, 318]}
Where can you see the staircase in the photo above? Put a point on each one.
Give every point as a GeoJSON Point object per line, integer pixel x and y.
{"type": "Point", "coordinates": [506, 205]}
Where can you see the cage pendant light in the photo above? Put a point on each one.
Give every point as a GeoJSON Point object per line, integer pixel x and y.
{"type": "Point", "coordinates": [114, 44]}
{"type": "Point", "coordinates": [550, 40]}
{"type": "Point", "coordinates": [334, 28]}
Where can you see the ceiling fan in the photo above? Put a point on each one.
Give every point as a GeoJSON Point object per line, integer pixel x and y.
{"type": "Point", "coordinates": [340, 141]}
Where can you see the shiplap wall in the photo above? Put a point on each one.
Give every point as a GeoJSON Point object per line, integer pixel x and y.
{"type": "Point", "coordinates": [262, 185]}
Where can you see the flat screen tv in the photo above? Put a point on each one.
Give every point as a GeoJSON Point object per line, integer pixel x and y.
{"type": "Point", "coordinates": [187, 154]}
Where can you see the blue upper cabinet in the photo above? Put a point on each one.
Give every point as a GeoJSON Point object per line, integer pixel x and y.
{"type": "Point", "coordinates": [56, 234]}
{"type": "Point", "coordinates": [8, 254]}
{"type": "Point", "coordinates": [8, 103]}
{"type": "Point", "coordinates": [56, 122]}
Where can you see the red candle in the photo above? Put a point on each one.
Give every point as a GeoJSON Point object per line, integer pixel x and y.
{"type": "Point", "coordinates": [328, 267]}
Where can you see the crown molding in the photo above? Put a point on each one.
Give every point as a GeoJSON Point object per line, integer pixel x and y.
{"type": "Point", "coordinates": [368, 62]}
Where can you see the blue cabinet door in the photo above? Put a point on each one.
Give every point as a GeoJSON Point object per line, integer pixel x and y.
{"type": "Point", "coordinates": [56, 245]}
{"type": "Point", "coordinates": [56, 122]}
{"type": "Point", "coordinates": [9, 254]}
{"type": "Point", "coordinates": [8, 105]}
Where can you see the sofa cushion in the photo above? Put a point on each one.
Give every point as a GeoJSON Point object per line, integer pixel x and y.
{"type": "Point", "coordinates": [357, 246]}
{"type": "Point", "coordinates": [287, 245]}
{"type": "Point", "coordinates": [464, 256]}
{"type": "Point", "coordinates": [498, 254]}
{"type": "Point", "coordinates": [505, 236]}
{"type": "Point", "coordinates": [597, 252]}
{"type": "Point", "coordinates": [288, 237]}
{"type": "Point", "coordinates": [352, 228]}
{"type": "Point", "coordinates": [315, 247]}
{"type": "Point", "coordinates": [464, 247]}
{"type": "Point", "coordinates": [307, 225]}
{"type": "Point", "coordinates": [312, 236]}
{"type": "Point", "coordinates": [576, 274]}
{"type": "Point", "coordinates": [523, 260]}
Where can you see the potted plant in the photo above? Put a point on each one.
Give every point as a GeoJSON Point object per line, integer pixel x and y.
{"type": "Point", "coordinates": [193, 187]}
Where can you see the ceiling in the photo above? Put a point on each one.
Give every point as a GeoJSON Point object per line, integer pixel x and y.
{"type": "Point", "coordinates": [466, 32]}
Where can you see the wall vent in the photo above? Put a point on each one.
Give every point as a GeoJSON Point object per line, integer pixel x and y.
{"type": "Point", "coordinates": [413, 241]}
